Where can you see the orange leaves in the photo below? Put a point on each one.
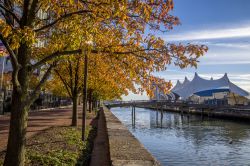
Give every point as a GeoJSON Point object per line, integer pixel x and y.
{"type": "Point", "coordinates": [185, 55]}
{"type": "Point", "coordinates": [152, 82]}
{"type": "Point", "coordinates": [122, 55]}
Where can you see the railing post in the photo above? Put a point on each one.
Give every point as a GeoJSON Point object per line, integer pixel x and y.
{"type": "Point", "coordinates": [156, 115]}
{"type": "Point", "coordinates": [133, 116]}
{"type": "Point", "coordinates": [202, 110]}
{"type": "Point", "coordinates": [161, 115]}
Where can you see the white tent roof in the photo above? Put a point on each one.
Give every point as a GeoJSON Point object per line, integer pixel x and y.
{"type": "Point", "coordinates": [180, 85]}
{"type": "Point", "coordinates": [199, 84]}
{"type": "Point", "coordinates": [177, 86]}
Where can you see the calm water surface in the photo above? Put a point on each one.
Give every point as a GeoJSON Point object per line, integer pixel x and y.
{"type": "Point", "coordinates": [189, 140]}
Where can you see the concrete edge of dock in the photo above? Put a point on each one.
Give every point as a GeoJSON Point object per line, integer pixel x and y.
{"type": "Point", "coordinates": [125, 149]}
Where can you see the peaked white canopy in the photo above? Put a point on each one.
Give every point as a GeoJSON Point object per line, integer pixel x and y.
{"type": "Point", "coordinates": [177, 85]}
{"type": "Point", "coordinates": [180, 85]}
{"type": "Point", "coordinates": [199, 84]}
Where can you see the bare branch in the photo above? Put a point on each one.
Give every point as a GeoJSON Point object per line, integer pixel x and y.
{"type": "Point", "coordinates": [14, 62]}
{"type": "Point", "coordinates": [76, 75]}
{"type": "Point", "coordinates": [55, 55]}
{"type": "Point", "coordinates": [70, 70]}
{"type": "Point", "coordinates": [33, 10]}
{"type": "Point", "coordinates": [25, 12]}
{"type": "Point", "coordinates": [66, 85]}
{"type": "Point", "coordinates": [11, 13]}
{"type": "Point", "coordinates": [127, 52]}
{"type": "Point", "coordinates": [37, 90]}
{"type": "Point", "coordinates": [132, 52]}
{"type": "Point", "coordinates": [61, 18]}
{"type": "Point", "coordinates": [11, 52]}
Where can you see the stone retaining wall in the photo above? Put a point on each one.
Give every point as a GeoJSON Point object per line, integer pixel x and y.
{"type": "Point", "coordinates": [125, 149]}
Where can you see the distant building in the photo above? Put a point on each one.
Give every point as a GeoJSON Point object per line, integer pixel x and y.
{"type": "Point", "coordinates": [5, 65]}
{"type": "Point", "coordinates": [220, 91]}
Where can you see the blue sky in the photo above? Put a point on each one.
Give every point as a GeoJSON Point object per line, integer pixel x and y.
{"type": "Point", "coordinates": [222, 25]}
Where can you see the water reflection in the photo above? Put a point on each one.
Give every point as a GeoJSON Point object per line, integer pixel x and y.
{"type": "Point", "coordinates": [188, 140]}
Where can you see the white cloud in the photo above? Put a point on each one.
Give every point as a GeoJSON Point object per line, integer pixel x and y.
{"type": "Point", "coordinates": [225, 56]}
{"type": "Point", "coordinates": [239, 45]}
{"type": "Point", "coordinates": [232, 45]}
{"type": "Point", "coordinates": [229, 45]}
{"type": "Point", "coordinates": [227, 62]}
{"type": "Point", "coordinates": [235, 32]}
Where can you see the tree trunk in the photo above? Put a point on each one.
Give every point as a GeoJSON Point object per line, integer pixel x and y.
{"type": "Point", "coordinates": [90, 100]}
{"type": "Point", "coordinates": [15, 154]}
{"type": "Point", "coordinates": [79, 100]}
{"type": "Point", "coordinates": [74, 111]}
{"type": "Point", "coordinates": [94, 104]}
{"type": "Point", "coordinates": [90, 106]}
{"type": "Point", "coordinates": [98, 103]}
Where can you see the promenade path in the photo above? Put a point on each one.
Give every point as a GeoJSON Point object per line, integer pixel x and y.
{"type": "Point", "coordinates": [38, 122]}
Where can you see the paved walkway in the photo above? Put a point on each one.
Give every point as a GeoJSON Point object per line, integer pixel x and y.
{"type": "Point", "coordinates": [38, 121]}
{"type": "Point", "coordinates": [125, 149]}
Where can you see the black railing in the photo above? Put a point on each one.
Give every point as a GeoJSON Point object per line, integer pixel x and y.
{"type": "Point", "coordinates": [45, 100]}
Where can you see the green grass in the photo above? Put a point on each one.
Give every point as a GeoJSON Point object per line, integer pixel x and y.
{"type": "Point", "coordinates": [72, 152]}
{"type": "Point", "coordinates": [53, 157]}
{"type": "Point", "coordinates": [60, 146]}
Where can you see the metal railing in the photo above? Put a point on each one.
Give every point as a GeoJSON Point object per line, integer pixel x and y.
{"type": "Point", "coordinates": [45, 100]}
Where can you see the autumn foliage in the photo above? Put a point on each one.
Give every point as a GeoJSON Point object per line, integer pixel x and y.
{"type": "Point", "coordinates": [50, 35]}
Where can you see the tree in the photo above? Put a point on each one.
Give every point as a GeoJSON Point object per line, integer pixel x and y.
{"type": "Point", "coordinates": [69, 74]}
{"type": "Point", "coordinates": [25, 27]}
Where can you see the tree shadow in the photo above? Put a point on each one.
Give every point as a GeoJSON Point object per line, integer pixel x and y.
{"type": "Point", "coordinates": [85, 157]}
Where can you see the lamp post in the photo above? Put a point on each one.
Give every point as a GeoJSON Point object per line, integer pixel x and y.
{"type": "Point", "coordinates": [84, 95]}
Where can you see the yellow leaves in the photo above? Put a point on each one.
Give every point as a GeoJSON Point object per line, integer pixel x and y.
{"type": "Point", "coordinates": [71, 2]}
{"type": "Point", "coordinates": [5, 29]}
{"type": "Point", "coordinates": [15, 41]}
{"type": "Point", "coordinates": [28, 36]}
{"type": "Point", "coordinates": [17, 35]}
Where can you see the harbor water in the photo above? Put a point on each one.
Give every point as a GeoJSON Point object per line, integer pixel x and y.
{"type": "Point", "coordinates": [182, 140]}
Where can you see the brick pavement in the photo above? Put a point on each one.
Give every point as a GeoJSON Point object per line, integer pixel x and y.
{"type": "Point", "coordinates": [38, 122]}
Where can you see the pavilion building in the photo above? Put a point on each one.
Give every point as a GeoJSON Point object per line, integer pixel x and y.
{"type": "Point", "coordinates": [214, 91]}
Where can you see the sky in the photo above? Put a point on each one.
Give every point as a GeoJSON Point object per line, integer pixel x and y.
{"type": "Point", "coordinates": [222, 25]}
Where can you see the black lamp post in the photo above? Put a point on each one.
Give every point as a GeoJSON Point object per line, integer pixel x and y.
{"type": "Point", "coordinates": [84, 95]}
